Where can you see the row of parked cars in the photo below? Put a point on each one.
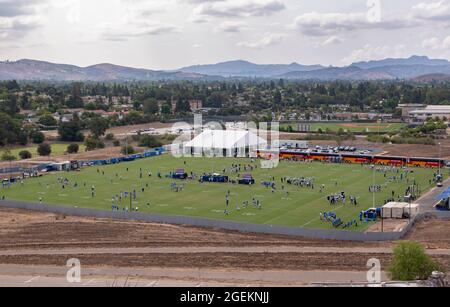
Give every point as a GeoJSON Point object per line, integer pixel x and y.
{"type": "Point", "coordinates": [331, 149]}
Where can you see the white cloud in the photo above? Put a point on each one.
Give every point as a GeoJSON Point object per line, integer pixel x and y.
{"type": "Point", "coordinates": [332, 40]}
{"type": "Point", "coordinates": [435, 43]}
{"type": "Point", "coordinates": [435, 11]}
{"type": "Point", "coordinates": [139, 19]}
{"type": "Point", "coordinates": [268, 39]}
{"type": "Point", "coordinates": [232, 26]}
{"type": "Point", "coordinates": [18, 18]}
{"type": "Point", "coordinates": [369, 52]}
{"type": "Point", "coordinates": [238, 8]}
{"type": "Point", "coordinates": [446, 43]}
{"type": "Point", "coordinates": [123, 34]}
{"type": "Point", "coordinates": [14, 8]}
{"type": "Point", "coordinates": [321, 24]}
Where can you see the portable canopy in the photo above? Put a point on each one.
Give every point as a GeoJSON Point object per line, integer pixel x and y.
{"type": "Point", "coordinates": [231, 141]}
{"type": "Point", "coordinates": [444, 195]}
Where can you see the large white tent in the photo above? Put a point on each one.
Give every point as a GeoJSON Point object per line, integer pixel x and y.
{"type": "Point", "coordinates": [226, 142]}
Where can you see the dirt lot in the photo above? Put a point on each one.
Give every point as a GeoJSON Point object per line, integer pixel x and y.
{"type": "Point", "coordinates": [431, 233]}
{"type": "Point", "coordinates": [23, 230]}
{"type": "Point", "coordinates": [131, 129]}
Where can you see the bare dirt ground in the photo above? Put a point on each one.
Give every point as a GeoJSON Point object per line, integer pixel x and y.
{"type": "Point", "coordinates": [30, 239]}
{"type": "Point", "coordinates": [131, 129]}
{"type": "Point", "coordinates": [431, 233]}
{"type": "Point", "coordinates": [23, 229]}
{"type": "Point", "coordinates": [389, 225]}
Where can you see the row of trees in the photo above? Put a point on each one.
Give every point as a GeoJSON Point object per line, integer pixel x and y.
{"type": "Point", "coordinates": [259, 93]}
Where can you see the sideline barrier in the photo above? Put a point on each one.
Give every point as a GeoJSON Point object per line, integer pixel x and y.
{"type": "Point", "coordinates": [218, 224]}
{"type": "Point", "coordinates": [146, 154]}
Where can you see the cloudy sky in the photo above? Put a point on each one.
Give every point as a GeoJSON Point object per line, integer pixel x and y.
{"type": "Point", "coordinates": [167, 34]}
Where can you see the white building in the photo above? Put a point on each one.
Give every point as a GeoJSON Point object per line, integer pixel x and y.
{"type": "Point", "coordinates": [421, 115]}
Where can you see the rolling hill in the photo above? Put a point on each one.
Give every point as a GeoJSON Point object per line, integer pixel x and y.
{"type": "Point", "coordinates": [388, 69]}
{"type": "Point", "coordinates": [40, 70]}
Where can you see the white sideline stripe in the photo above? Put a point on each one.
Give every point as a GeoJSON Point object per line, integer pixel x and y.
{"type": "Point", "coordinates": [319, 218]}
{"type": "Point", "coordinates": [152, 284]}
{"type": "Point", "coordinates": [88, 282]}
{"type": "Point", "coordinates": [32, 279]}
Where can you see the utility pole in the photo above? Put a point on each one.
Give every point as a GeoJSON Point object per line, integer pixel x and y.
{"type": "Point", "coordinates": [440, 154]}
{"type": "Point", "coordinates": [126, 144]}
{"type": "Point", "coordinates": [373, 182]}
{"type": "Point", "coordinates": [131, 202]}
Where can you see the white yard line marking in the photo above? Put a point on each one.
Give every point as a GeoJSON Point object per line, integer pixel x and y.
{"type": "Point", "coordinates": [88, 282]}
{"type": "Point", "coordinates": [32, 279]}
{"type": "Point", "coordinates": [336, 209]}
{"type": "Point", "coordinates": [152, 284]}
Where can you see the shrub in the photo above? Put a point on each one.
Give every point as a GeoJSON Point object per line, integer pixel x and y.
{"type": "Point", "coordinates": [71, 132]}
{"type": "Point", "coordinates": [37, 137]}
{"type": "Point", "coordinates": [93, 143]}
{"type": "Point", "coordinates": [48, 121]}
{"type": "Point", "coordinates": [109, 137]}
{"type": "Point", "coordinates": [378, 139]}
{"type": "Point", "coordinates": [413, 140]}
{"type": "Point", "coordinates": [44, 150]}
{"type": "Point", "coordinates": [411, 263]}
{"type": "Point", "coordinates": [73, 148]}
{"type": "Point", "coordinates": [149, 141]}
{"type": "Point", "coordinates": [127, 150]}
{"type": "Point", "coordinates": [7, 156]}
{"type": "Point", "coordinates": [116, 143]}
{"type": "Point", "coordinates": [25, 154]}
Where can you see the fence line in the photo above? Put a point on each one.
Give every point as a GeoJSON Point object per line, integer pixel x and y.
{"type": "Point", "coordinates": [218, 224]}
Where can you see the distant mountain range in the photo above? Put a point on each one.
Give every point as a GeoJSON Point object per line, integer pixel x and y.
{"type": "Point", "coordinates": [247, 69]}
{"type": "Point", "coordinates": [39, 70]}
{"type": "Point", "coordinates": [389, 69]}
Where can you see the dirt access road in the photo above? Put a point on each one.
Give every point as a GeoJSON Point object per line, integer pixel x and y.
{"type": "Point", "coordinates": [36, 247]}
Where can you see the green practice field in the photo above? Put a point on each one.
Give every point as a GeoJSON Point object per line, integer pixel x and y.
{"type": "Point", "coordinates": [301, 208]}
{"type": "Point", "coordinates": [360, 127]}
{"type": "Point", "coordinates": [355, 127]}
{"type": "Point", "coordinates": [57, 150]}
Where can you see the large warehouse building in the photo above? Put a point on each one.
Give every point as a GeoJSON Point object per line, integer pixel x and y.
{"type": "Point", "coordinates": [421, 115]}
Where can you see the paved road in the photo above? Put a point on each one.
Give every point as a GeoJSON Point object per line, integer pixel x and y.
{"type": "Point", "coordinates": [197, 250]}
{"type": "Point", "coordinates": [428, 201]}
{"type": "Point", "coordinates": [34, 276]}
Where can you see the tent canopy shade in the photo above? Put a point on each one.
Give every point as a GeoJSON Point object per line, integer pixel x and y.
{"type": "Point", "coordinates": [227, 139]}
{"type": "Point", "coordinates": [444, 195]}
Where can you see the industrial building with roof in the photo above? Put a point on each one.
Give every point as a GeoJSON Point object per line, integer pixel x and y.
{"type": "Point", "coordinates": [432, 111]}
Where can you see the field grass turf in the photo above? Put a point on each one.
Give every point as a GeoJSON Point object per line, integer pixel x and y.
{"type": "Point", "coordinates": [354, 127]}
{"type": "Point", "coordinates": [360, 127]}
{"type": "Point", "coordinates": [57, 150]}
{"type": "Point", "coordinates": [300, 209]}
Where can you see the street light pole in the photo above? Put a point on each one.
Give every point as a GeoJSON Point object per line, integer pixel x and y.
{"type": "Point", "coordinates": [440, 154]}
{"type": "Point", "coordinates": [126, 144]}
{"type": "Point", "coordinates": [373, 183]}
